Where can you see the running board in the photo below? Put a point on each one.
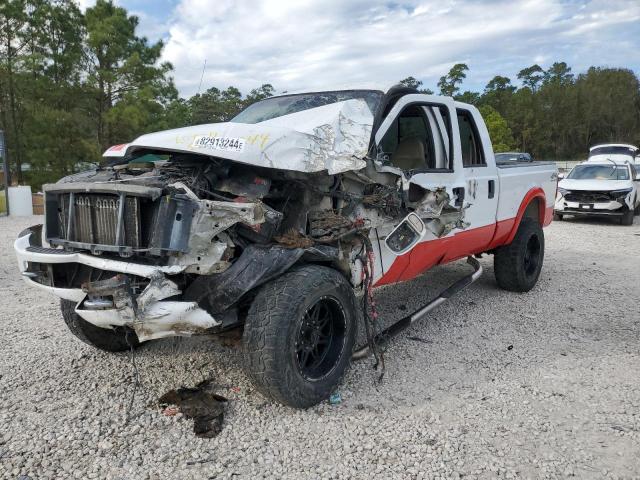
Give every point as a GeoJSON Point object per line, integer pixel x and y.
{"type": "Point", "coordinates": [393, 330]}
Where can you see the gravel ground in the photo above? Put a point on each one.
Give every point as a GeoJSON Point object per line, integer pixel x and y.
{"type": "Point", "coordinates": [493, 384]}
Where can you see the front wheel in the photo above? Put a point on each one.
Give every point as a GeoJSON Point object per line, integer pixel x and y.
{"type": "Point", "coordinates": [557, 217]}
{"type": "Point", "coordinates": [299, 335]}
{"type": "Point", "coordinates": [517, 266]}
{"type": "Point", "coordinates": [627, 218]}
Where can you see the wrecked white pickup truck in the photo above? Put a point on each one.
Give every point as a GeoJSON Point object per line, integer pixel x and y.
{"type": "Point", "coordinates": [275, 221]}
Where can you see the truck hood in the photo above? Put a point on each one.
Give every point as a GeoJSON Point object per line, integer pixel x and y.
{"type": "Point", "coordinates": [332, 137]}
{"type": "Point", "coordinates": [594, 185]}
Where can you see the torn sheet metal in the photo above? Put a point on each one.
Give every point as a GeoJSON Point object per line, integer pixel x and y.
{"type": "Point", "coordinates": [447, 222]}
{"type": "Point", "coordinates": [149, 314]}
{"type": "Point", "coordinates": [431, 205]}
{"type": "Point", "coordinates": [161, 319]}
{"type": "Point", "coordinates": [332, 137]}
{"type": "Point", "coordinates": [439, 215]}
{"type": "Point", "coordinates": [205, 255]}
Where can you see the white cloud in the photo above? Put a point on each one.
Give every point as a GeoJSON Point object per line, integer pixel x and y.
{"type": "Point", "coordinates": [312, 44]}
{"type": "Point", "coordinates": [84, 4]}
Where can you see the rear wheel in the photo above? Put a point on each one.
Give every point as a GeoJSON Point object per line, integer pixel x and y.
{"type": "Point", "coordinates": [517, 266]}
{"type": "Point", "coordinates": [109, 340]}
{"type": "Point", "coordinates": [627, 218]}
{"type": "Point", "coordinates": [299, 335]}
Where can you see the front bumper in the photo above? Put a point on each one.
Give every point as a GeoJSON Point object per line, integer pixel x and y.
{"type": "Point", "coordinates": [149, 313]}
{"type": "Point", "coordinates": [611, 208]}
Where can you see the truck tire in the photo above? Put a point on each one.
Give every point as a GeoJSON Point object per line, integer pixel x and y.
{"type": "Point", "coordinates": [627, 217]}
{"type": "Point", "coordinates": [517, 266]}
{"type": "Point", "coordinates": [109, 340]}
{"type": "Point", "coordinates": [299, 335]}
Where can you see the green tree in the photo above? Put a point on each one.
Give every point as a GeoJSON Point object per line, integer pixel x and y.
{"type": "Point", "coordinates": [601, 92]}
{"type": "Point", "coordinates": [531, 77]}
{"type": "Point", "coordinates": [215, 105]}
{"type": "Point", "coordinates": [13, 21]}
{"type": "Point", "coordinates": [498, 93]}
{"type": "Point", "coordinates": [412, 82]}
{"type": "Point", "coordinates": [559, 73]}
{"type": "Point", "coordinates": [468, 96]}
{"type": "Point", "coordinates": [266, 90]}
{"type": "Point", "coordinates": [54, 108]}
{"type": "Point", "coordinates": [449, 84]}
{"type": "Point", "coordinates": [122, 66]}
{"type": "Point", "coordinates": [499, 131]}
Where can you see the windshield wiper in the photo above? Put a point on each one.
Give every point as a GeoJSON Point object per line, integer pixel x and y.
{"type": "Point", "coordinates": [615, 169]}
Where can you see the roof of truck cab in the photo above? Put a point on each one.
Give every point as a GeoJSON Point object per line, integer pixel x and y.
{"type": "Point", "coordinates": [373, 87]}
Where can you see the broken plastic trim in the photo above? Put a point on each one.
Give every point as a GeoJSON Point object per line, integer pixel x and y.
{"type": "Point", "coordinates": [384, 336]}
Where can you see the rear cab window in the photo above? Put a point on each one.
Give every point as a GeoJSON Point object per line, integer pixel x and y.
{"type": "Point", "coordinates": [470, 144]}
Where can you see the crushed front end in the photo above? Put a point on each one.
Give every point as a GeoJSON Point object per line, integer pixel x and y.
{"type": "Point", "coordinates": [176, 243]}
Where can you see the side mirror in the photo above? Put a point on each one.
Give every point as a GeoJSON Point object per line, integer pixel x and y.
{"type": "Point", "coordinates": [561, 176]}
{"type": "Point", "coordinates": [406, 234]}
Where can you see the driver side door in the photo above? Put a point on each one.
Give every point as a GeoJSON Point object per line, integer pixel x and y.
{"type": "Point", "coordinates": [419, 142]}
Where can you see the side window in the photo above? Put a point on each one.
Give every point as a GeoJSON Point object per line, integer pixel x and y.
{"type": "Point", "coordinates": [472, 151]}
{"type": "Point", "coordinates": [415, 140]}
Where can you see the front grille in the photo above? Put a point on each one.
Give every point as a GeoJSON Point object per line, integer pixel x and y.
{"type": "Point", "coordinates": [587, 196]}
{"type": "Point", "coordinates": [95, 219]}
{"type": "Point", "coordinates": [122, 219]}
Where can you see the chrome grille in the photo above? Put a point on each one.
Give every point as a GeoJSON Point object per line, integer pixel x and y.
{"type": "Point", "coordinates": [93, 219]}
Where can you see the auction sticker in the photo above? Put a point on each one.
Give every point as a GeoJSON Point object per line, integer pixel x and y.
{"type": "Point", "coordinates": [227, 144]}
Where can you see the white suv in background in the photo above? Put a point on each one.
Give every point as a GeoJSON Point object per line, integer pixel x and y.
{"type": "Point", "coordinates": [618, 152]}
{"type": "Point", "coordinates": [600, 187]}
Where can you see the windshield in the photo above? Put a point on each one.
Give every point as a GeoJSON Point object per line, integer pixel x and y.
{"type": "Point", "coordinates": [612, 151]}
{"type": "Point", "coordinates": [279, 106]}
{"type": "Point", "coordinates": [600, 172]}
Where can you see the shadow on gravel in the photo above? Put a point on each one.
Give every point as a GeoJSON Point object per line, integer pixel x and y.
{"type": "Point", "coordinates": [200, 404]}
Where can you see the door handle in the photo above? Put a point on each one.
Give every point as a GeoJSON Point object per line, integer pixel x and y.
{"type": "Point", "coordinates": [492, 188]}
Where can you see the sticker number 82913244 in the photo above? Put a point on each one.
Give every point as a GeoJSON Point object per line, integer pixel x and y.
{"type": "Point", "coordinates": [219, 143]}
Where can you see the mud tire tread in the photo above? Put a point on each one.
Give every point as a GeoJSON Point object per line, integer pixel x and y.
{"type": "Point", "coordinates": [508, 260]}
{"type": "Point", "coordinates": [268, 332]}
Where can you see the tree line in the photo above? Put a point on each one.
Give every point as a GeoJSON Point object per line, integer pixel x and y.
{"type": "Point", "coordinates": [74, 83]}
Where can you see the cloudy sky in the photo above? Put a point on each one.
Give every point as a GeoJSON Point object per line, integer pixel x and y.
{"type": "Point", "coordinates": [315, 44]}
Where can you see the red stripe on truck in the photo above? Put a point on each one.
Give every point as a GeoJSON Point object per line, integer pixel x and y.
{"type": "Point", "coordinates": [467, 242]}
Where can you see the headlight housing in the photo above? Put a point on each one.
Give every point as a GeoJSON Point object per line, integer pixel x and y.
{"type": "Point", "coordinates": [562, 191]}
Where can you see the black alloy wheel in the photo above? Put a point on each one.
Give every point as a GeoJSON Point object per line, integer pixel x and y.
{"type": "Point", "coordinates": [320, 339]}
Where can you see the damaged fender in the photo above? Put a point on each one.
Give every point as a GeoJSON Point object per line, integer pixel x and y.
{"type": "Point", "coordinates": [257, 265]}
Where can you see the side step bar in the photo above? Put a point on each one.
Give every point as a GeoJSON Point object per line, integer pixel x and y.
{"type": "Point", "coordinates": [393, 330]}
